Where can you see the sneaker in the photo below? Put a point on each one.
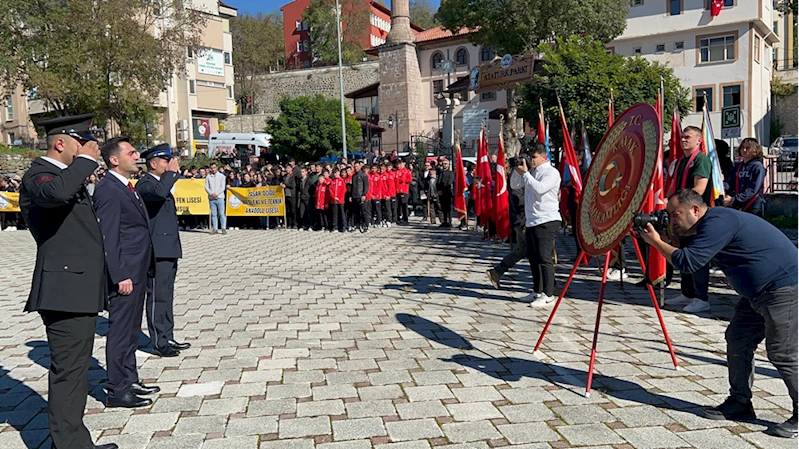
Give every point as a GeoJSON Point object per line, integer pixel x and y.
{"type": "Point", "coordinates": [732, 410]}
{"type": "Point", "coordinates": [679, 300]}
{"type": "Point", "coordinates": [542, 300]}
{"type": "Point", "coordinates": [696, 306]}
{"type": "Point", "coordinates": [716, 272]}
{"type": "Point", "coordinates": [614, 274]}
{"type": "Point", "coordinates": [494, 277]}
{"type": "Point", "coordinates": [531, 297]}
{"type": "Point", "coordinates": [224, 231]}
{"type": "Point", "coordinates": [214, 231]}
{"type": "Point", "coordinates": [786, 429]}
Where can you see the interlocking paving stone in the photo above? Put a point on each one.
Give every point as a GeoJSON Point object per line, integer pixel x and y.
{"type": "Point", "coordinates": [583, 414]}
{"type": "Point", "coordinates": [356, 429]}
{"type": "Point", "coordinates": [246, 442]}
{"type": "Point", "coordinates": [714, 439]}
{"type": "Point", "coordinates": [200, 425]}
{"type": "Point", "coordinates": [641, 416]}
{"type": "Point", "coordinates": [526, 413]}
{"type": "Point", "coordinates": [304, 427]}
{"type": "Point", "coordinates": [320, 408]}
{"type": "Point", "coordinates": [589, 434]}
{"type": "Point", "coordinates": [370, 408]}
{"type": "Point", "coordinates": [251, 426]}
{"type": "Point", "coordinates": [362, 444]}
{"type": "Point", "coordinates": [471, 431]}
{"type": "Point", "coordinates": [426, 409]}
{"type": "Point", "coordinates": [528, 433]}
{"type": "Point", "coordinates": [150, 423]}
{"type": "Point", "coordinates": [413, 429]}
{"type": "Point", "coordinates": [474, 411]}
{"type": "Point", "coordinates": [651, 438]}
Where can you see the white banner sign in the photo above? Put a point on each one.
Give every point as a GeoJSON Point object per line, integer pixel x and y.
{"type": "Point", "coordinates": [211, 62]}
{"type": "Point", "coordinates": [473, 119]}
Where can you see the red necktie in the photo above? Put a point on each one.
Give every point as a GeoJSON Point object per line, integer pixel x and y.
{"type": "Point", "coordinates": [130, 187]}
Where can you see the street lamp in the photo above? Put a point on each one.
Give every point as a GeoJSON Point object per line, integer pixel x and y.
{"type": "Point", "coordinates": [341, 83]}
{"type": "Point", "coordinates": [391, 122]}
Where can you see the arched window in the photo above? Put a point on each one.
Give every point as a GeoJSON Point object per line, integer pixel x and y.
{"type": "Point", "coordinates": [438, 58]}
{"type": "Point", "coordinates": [486, 54]}
{"type": "Point", "coordinates": [462, 57]}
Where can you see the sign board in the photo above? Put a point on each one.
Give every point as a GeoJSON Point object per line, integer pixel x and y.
{"type": "Point", "coordinates": [446, 66]}
{"type": "Point", "coordinates": [731, 122]}
{"type": "Point", "coordinates": [9, 202]}
{"type": "Point", "coordinates": [202, 128]}
{"type": "Point", "coordinates": [502, 73]}
{"type": "Point", "coordinates": [255, 202]}
{"type": "Point", "coordinates": [473, 119]}
{"type": "Point", "coordinates": [211, 62]}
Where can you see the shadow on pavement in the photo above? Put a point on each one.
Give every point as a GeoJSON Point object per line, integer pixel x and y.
{"type": "Point", "coordinates": [433, 284]}
{"type": "Point", "coordinates": [19, 407]}
{"type": "Point", "coordinates": [97, 375]}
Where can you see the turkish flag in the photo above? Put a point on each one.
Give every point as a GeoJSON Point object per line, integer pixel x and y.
{"type": "Point", "coordinates": [715, 7]}
{"type": "Point", "coordinates": [541, 131]}
{"type": "Point", "coordinates": [571, 158]}
{"type": "Point", "coordinates": [675, 150]}
{"type": "Point", "coordinates": [656, 265]}
{"type": "Point", "coordinates": [460, 183]}
{"type": "Point", "coordinates": [485, 175]}
{"type": "Point", "coordinates": [501, 209]}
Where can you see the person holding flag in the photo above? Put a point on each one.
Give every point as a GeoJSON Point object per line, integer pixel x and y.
{"type": "Point", "coordinates": [461, 189]}
{"type": "Point", "coordinates": [542, 221]}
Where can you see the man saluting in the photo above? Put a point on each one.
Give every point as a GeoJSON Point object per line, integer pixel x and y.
{"type": "Point", "coordinates": [68, 288]}
{"type": "Point", "coordinates": [155, 188]}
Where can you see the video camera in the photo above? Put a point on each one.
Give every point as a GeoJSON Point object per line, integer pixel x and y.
{"type": "Point", "coordinates": [658, 218]}
{"type": "Point", "coordinates": [517, 161]}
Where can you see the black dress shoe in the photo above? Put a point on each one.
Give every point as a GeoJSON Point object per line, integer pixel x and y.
{"type": "Point", "coordinates": [129, 400]}
{"type": "Point", "coordinates": [168, 351]}
{"type": "Point", "coordinates": [179, 346]}
{"type": "Point", "coordinates": [143, 390]}
{"type": "Point", "coordinates": [106, 446]}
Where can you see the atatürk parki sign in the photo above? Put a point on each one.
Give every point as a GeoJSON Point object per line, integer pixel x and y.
{"type": "Point", "coordinates": [502, 73]}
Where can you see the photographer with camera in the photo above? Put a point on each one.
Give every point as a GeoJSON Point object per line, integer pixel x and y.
{"type": "Point", "coordinates": [542, 221]}
{"type": "Point", "coordinates": [760, 263]}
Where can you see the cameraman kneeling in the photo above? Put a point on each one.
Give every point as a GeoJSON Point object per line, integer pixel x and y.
{"type": "Point", "coordinates": [761, 265]}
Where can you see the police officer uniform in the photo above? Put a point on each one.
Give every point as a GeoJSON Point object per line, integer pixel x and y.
{"type": "Point", "coordinates": [68, 287]}
{"type": "Point", "coordinates": [157, 195]}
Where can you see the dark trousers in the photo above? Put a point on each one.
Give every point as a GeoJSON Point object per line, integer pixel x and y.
{"type": "Point", "coordinates": [772, 316]}
{"type": "Point", "coordinates": [446, 208]}
{"type": "Point", "coordinates": [694, 285]}
{"type": "Point", "coordinates": [540, 251]}
{"type": "Point", "coordinates": [160, 297]}
{"type": "Point", "coordinates": [359, 213]}
{"type": "Point", "coordinates": [305, 214]}
{"type": "Point", "coordinates": [124, 327]}
{"type": "Point", "coordinates": [291, 211]}
{"type": "Point", "coordinates": [386, 204]}
{"type": "Point", "coordinates": [518, 251]}
{"type": "Point", "coordinates": [393, 207]}
{"type": "Point", "coordinates": [377, 210]}
{"type": "Point", "coordinates": [339, 217]}
{"type": "Point", "coordinates": [71, 339]}
{"type": "Point", "coordinates": [402, 213]}
{"type": "Point", "coordinates": [321, 219]}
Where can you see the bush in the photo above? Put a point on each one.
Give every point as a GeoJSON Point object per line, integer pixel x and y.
{"type": "Point", "coordinates": [21, 151]}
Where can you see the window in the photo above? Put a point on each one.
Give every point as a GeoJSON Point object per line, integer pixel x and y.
{"type": "Point", "coordinates": [304, 25]}
{"type": "Point", "coordinates": [757, 49]}
{"type": "Point", "coordinates": [438, 86]}
{"type": "Point", "coordinates": [438, 57]}
{"type": "Point", "coordinates": [192, 87]}
{"type": "Point", "coordinates": [637, 51]}
{"type": "Point", "coordinates": [675, 7]}
{"type": "Point", "coordinates": [610, 50]}
{"type": "Point", "coordinates": [678, 46]}
{"type": "Point", "coordinates": [775, 27]}
{"type": "Point", "coordinates": [190, 53]}
{"type": "Point", "coordinates": [488, 96]}
{"type": "Point", "coordinates": [210, 84]}
{"type": "Point", "coordinates": [9, 109]}
{"type": "Point", "coordinates": [700, 94]}
{"type": "Point", "coordinates": [298, 25]}
{"type": "Point", "coordinates": [717, 49]}
{"type": "Point", "coordinates": [229, 92]}
{"type": "Point", "coordinates": [307, 64]}
{"type": "Point", "coordinates": [727, 3]}
{"type": "Point", "coordinates": [306, 45]}
{"type": "Point", "coordinates": [461, 57]}
{"type": "Point", "coordinates": [486, 54]}
{"type": "Point", "coordinates": [636, 2]}
{"type": "Point", "coordinates": [660, 48]}
{"type": "Point", "coordinates": [228, 59]}
{"type": "Point", "coordinates": [732, 96]}
{"type": "Point", "coordinates": [12, 138]}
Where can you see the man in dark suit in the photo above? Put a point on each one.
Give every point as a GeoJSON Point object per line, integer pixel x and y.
{"type": "Point", "coordinates": [155, 189]}
{"type": "Point", "coordinates": [128, 259]}
{"type": "Point", "coordinates": [360, 188]}
{"type": "Point", "coordinates": [304, 194]}
{"type": "Point", "coordinates": [68, 288]}
{"type": "Point", "coordinates": [445, 185]}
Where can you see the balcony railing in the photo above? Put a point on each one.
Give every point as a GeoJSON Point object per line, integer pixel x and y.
{"type": "Point", "coordinates": [781, 175]}
{"type": "Point", "coordinates": [786, 64]}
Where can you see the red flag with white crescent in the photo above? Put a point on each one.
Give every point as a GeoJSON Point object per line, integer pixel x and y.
{"type": "Point", "coordinates": [460, 183]}
{"type": "Point", "coordinates": [715, 7]}
{"type": "Point", "coordinates": [656, 265]}
{"type": "Point", "coordinates": [485, 175]}
{"type": "Point", "coordinates": [501, 208]}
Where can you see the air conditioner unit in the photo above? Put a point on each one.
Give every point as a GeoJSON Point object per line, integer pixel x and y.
{"type": "Point", "coordinates": [183, 125]}
{"type": "Point", "coordinates": [183, 136]}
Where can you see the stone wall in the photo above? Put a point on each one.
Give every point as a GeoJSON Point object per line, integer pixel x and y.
{"type": "Point", "coordinates": [784, 110]}
{"type": "Point", "coordinates": [14, 164]}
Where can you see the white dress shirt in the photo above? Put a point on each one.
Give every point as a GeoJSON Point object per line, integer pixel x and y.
{"type": "Point", "coordinates": [215, 184]}
{"type": "Point", "coordinates": [62, 165]}
{"type": "Point", "coordinates": [541, 204]}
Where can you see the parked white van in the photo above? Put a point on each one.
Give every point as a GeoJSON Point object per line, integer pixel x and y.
{"type": "Point", "coordinates": [242, 146]}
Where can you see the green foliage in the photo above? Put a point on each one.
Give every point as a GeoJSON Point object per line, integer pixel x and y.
{"type": "Point", "coordinates": [309, 128]}
{"type": "Point", "coordinates": [102, 57]}
{"type": "Point", "coordinates": [320, 16]}
{"type": "Point", "coordinates": [21, 151]}
{"type": "Point", "coordinates": [198, 160]}
{"type": "Point", "coordinates": [782, 221]}
{"type": "Point", "coordinates": [583, 73]}
{"type": "Point", "coordinates": [781, 89]}
{"type": "Point", "coordinates": [258, 43]}
{"type": "Point", "coordinates": [423, 13]}
{"type": "Point", "coordinates": [787, 6]}
{"type": "Point", "coordinates": [775, 129]}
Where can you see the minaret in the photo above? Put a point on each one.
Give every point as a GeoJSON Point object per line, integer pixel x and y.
{"type": "Point", "coordinates": [400, 92]}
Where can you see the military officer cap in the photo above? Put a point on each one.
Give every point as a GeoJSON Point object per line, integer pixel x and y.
{"type": "Point", "coordinates": [163, 151]}
{"type": "Point", "coordinates": [77, 126]}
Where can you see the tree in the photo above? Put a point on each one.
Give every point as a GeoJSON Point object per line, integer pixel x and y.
{"type": "Point", "coordinates": [582, 73]}
{"type": "Point", "coordinates": [259, 48]}
{"type": "Point", "coordinates": [423, 14]}
{"type": "Point", "coordinates": [320, 16]}
{"type": "Point", "coordinates": [519, 26]}
{"type": "Point", "coordinates": [112, 57]}
{"type": "Point", "coordinates": [309, 128]}
{"type": "Point", "coordinates": [787, 6]}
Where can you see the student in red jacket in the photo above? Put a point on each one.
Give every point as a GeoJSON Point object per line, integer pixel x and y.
{"type": "Point", "coordinates": [385, 202]}
{"type": "Point", "coordinates": [376, 192]}
{"type": "Point", "coordinates": [337, 192]}
{"type": "Point", "coordinates": [404, 178]}
{"type": "Point", "coordinates": [348, 203]}
{"type": "Point", "coordinates": [321, 201]}
{"type": "Point", "coordinates": [392, 192]}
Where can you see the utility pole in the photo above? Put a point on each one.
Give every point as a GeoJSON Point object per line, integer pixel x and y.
{"type": "Point", "coordinates": [341, 83]}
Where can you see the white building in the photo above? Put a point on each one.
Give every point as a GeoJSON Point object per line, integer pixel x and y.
{"type": "Point", "coordinates": [727, 58]}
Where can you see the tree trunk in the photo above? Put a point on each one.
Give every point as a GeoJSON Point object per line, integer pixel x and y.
{"type": "Point", "coordinates": [510, 134]}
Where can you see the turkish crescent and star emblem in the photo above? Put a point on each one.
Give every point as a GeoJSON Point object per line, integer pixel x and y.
{"type": "Point", "coordinates": [501, 185]}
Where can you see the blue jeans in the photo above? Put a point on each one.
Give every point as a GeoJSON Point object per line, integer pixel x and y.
{"type": "Point", "coordinates": [218, 214]}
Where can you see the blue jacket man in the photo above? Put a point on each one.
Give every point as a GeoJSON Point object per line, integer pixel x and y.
{"type": "Point", "coordinates": [155, 188]}
{"type": "Point", "coordinates": [128, 259]}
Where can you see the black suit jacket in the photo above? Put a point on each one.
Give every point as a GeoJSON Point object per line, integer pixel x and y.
{"type": "Point", "coordinates": [305, 189]}
{"type": "Point", "coordinates": [446, 182]}
{"type": "Point", "coordinates": [360, 184]}
{"type": "Point", "coordinates": [290, 182]}
{"type": "Point", "coordinates": [126, 232]}
{"type": "Point", "coordinates": [70, 268]}
{"type": "Point", "coordinates": [161, 210]}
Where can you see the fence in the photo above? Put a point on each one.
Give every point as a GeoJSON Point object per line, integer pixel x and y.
{"type": "Point", "coordinates": [781, 175]}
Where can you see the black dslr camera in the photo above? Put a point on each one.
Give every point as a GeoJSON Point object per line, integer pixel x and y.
{"type": "Point", "coordinates": [658, 218]}
{"type": "Point", "coordinates": [517, 161]}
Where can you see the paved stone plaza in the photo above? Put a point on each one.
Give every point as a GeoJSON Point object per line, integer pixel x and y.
{"type": "Point", "coordinates": [394, 340]}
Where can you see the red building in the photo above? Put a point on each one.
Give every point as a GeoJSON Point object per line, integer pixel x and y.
{"type": "Point", "coordinates": [297, 36]}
